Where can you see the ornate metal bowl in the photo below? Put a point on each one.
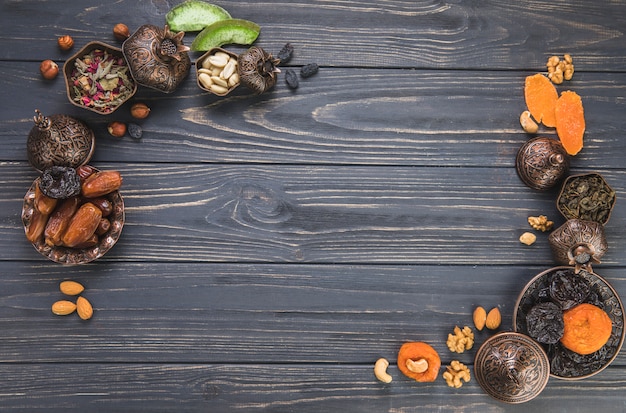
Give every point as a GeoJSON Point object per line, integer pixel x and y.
{"type": "Point", "coordinates": [511, 367]}
{"type": "Point", "coordinates": [578, 199]}
{"type": "Point", "coordinates": [79, 94]}
{"type": "Point", "coordinates": [542, 162]}
{"type": "Point", "coordinates": [565, 364]}
{"type": "Point", "coordinates": [200, 65]}
{"type": "Point", "coordinates": [65, 255]}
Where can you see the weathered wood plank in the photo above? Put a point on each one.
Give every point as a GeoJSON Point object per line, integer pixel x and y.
{"type": "Point", "coordinates": [340, 116]}
{"type": "Point", "coordinates": [252, 313]}
{"type": "Point", "coordinates": [421, 34]}
{"type": "Point", "coordinates": [321, 214]}
{"type": "Point", "coordinates": [278, 388]}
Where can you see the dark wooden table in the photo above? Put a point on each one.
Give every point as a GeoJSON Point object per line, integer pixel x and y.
{"type": "Point", "coordinates": [275, 246]}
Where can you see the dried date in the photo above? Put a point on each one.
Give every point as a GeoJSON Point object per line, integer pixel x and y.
{"type": "Point", "coordinates": [83, 225]}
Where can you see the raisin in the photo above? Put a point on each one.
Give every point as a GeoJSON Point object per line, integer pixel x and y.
{"type": "Point", "coordinates": [135, 131]}
{"type": "Point", "coordinates": [60, 182]}
{"type": "Point", "coordinates": [285, 53]}
{"type": "Point", "coordinates": [309, 70]}
{"type": "Point", "coordinates": [545, 323]}
{"type": "Point", "coordinates": [568, 289]}
{"type": "Point", "coordinates": [291, 79]}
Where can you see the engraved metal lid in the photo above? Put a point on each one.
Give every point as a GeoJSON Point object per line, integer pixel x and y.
{"type": "Point", "coordinates": [542, 163]}
{"type": "Point", "coordinates": [512, 367]}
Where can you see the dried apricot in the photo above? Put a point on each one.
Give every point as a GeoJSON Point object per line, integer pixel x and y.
{"type": "Point", "coordinates": [419, 361]}
{"type": "Point", "coordinates": [541, 97]}
{"type": "Point", "coordinates": [587, 328]}
{"type": "Point", "coordinates": [570, 121]}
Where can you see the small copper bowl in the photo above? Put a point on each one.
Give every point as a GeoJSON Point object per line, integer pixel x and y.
{"type": "Point", "coordinates": [80, 87]}
{"type": "Point", "coordinates": [511, 367]}
{"type": "Point", "coordinates": [204, 70]}
{"type": "Point", "coordinates": [65, 255]}
{"type": "Point", "coordinates": [578, 200]}
{"type": "Point", "coordinates": [565, 364]}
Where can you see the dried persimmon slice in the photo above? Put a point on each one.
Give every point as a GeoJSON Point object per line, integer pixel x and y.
{"type": "Point", "coordinates": [541, 97]}
{"type": "Point", "coordinates": [570, 121]}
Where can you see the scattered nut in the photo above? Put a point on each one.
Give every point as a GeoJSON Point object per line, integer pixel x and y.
{"type": "Point", "coordinates": [63, 307]}
{"type": "Point", "coordinates": [121, 32]}
{"type": "Point", "coordinates": [528, 238]}
{"type": "Point", "coordinates": [139, 110]}
{"type": "Point", "coordinates": [65, 42]}
{"type": "Point", "coordinates": [559, 70]}
{"type": "Point", "coordinates": [527, 122]}
{"type": "Point", "coordinates": [49, 69]}
{"type": "Point", "coordinates": [461, 340]}
{"type": "Point", "coordinates": [493, 319]}
{"type": "Point", "coordinates": [71, 288]}
{"type": "Point", "coordinates": [84, 308]}
{"type": "Point", "coordinates": [480, 317]}
{"type": "Point", "coordinates": [455, 373]}
{"type": "Point", "coordinates": [117, 129]}
{"type": "Point", "coordinates": [380, 370]}
{"type": "Point", "coordinates": [540, 223]}
{"type": "Point", "coordinates": [417, 366]}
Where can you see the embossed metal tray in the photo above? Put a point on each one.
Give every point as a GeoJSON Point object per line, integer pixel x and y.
{"type": "Point", "coordinates": [565, 364]}
{"type": "Point", "coordinates": [65, 255]}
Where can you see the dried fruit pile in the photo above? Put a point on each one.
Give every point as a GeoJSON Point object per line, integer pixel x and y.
{"type": "Point", "coordinates": [565, 112]}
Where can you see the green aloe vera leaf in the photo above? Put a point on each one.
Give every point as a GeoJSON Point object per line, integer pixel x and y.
{"type": "Point", "coordinates": [194, 15]}
{"type": "Point", "coordinates": [230, 31]}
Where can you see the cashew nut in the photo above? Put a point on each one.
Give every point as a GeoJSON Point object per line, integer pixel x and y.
{"type": "Point", "coordinates": [417, 366]}
{"type": "Point", "coordinates": [380, 370]}
{"type": "Point", "coordinates": [528, 124]}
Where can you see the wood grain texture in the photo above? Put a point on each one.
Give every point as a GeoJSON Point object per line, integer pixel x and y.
{"type": "Point", "coordinates": [321, 214]}
{"type": "Point", "coordinates": [432, 118]}
{"type": "Point", "coordinates": [275, 246]}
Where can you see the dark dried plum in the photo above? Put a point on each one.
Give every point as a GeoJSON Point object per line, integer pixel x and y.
{"type": "Point", "coordinates": [291, 79]}
{"type": "Point", "coordinates": [135, 131]}
{"type": "Point", "coordinates": [60, 182]}
{"type": "Point", "coordinates": [568, 289]}
{"type": "Point", "coordinates": [545, 323]}
{"type": "Point", "coordinates": [309, 70]}
{"type": "Point", "coordinates": [567, 363]}
{"type": "Point", "coordinates": [285, 53]}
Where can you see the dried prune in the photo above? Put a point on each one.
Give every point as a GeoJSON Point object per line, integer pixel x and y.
{"type": "Point", "coordinates": [60, 182]}
{"type": "Point", "coordinates": [291, 79]}
{"type": "Point", "coordinates": [545, 323]}
{"type": "Point", "coordinates": [309, 70]}
{"type": "Point", "coordinates": [135, 131]}
{"type": "Point", "coordinates": [567, 363]}
{"type": "Point", "coordinates": [285, 53]}
{"type": "Point", "coordinates": [568, 289]}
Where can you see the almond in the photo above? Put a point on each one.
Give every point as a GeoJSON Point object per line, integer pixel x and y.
{"type": "Point", "coordinates": [480, 318]}
{"type": "Point", "coordinates": [493, 319]}
{"type": "Point", "coordinates": [71, 288]}
{"type": "Point", "coordinates": [63, 307]}
{"type": "Point", "coordinates": [84, 308]}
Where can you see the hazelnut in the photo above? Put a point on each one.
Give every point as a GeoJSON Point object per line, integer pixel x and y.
{"type": "Point", "coordinates": [49, 69]}
{"type": "Point", "coordinates": [121, 32]}
{"type": "Point", "coordinates": [117, 129]}
{"type": "Point", "coordinates": [139, 110]}
{"type": "Point", "coordinates": [65, 42]}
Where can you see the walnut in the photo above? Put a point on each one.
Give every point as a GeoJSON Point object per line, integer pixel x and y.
{"type": "Point", "coordinates": [456, 372]}
{"type": "Point", "coordinates": [540, 223]}
{"type": "Point", "coordinates": [559, 70]}
{"type": "Point", "coordinates": [461, 340]}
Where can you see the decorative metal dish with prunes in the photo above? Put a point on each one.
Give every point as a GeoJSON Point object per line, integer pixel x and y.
{"type": "Point", "coordinates": [578, 318]}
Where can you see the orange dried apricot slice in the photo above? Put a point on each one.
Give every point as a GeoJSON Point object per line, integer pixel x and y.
{"type": "Point", "coordinates": [541, 97]}
{"type": "Point", "coordinates": [587, 328]}
{"type": "Point", "coordinates": [418, 354]}
{"type": "Point", "coordinates": [570, 121]}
